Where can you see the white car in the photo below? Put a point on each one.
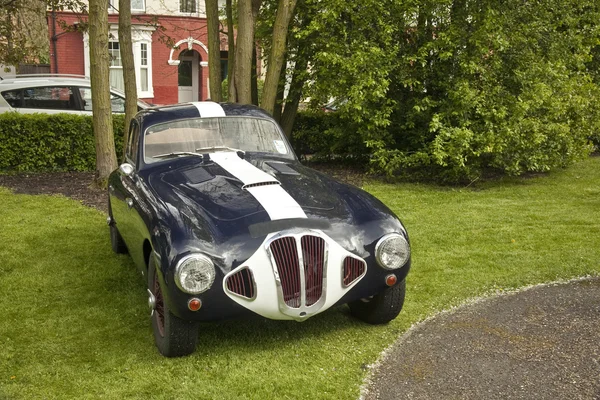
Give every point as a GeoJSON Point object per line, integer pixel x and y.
{"type": "Point", "coordinates": [54, 93]}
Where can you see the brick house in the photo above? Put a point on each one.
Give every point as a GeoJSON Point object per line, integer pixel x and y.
{"type": "Point", "coordinates": [165, 73]}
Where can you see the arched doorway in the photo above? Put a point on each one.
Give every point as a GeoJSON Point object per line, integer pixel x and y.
{"type": "Point", "coordinates": [188, 76]}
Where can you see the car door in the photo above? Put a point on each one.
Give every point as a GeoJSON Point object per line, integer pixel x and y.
{"type": "Point", "coordinates": [128, 205]}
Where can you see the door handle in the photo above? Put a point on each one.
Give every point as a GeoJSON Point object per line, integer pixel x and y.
{"type": "Point", "coordinates": [129, 202]}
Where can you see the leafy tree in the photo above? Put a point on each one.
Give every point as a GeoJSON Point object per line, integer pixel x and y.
{"type": "Point", "coordinates": [455, 87]}
{"type": "Point", "coordinates": [23, 35]}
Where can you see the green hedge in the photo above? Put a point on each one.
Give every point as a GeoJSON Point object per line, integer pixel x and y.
{"type": "Point", "coordinates": [51, 142]}
{"type": "Point", "coordinates": [327, 136]}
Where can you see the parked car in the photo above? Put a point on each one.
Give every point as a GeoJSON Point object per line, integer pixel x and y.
{"type": "Point", "coordinates": [222, 219]}
{"type": "Point", "coordinates": [51, 94]}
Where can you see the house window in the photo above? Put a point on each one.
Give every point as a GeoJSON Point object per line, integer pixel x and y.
{"type": "Point", "coordinates": [144, 67]}
{"type": "Point", "coordinates": [142, 59]}
{"type": "Point", "coordinates": [136, 5]}
{"type": "Point", "coordinates": [187, 6]}
{"type": "Point", "coordinates": [116, 66]}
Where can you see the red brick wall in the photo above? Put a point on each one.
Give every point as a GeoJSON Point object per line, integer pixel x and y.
{"type": "Point", "coordinates": [164, 76]}
{"type": "Point", "coordinates": [69, 47]}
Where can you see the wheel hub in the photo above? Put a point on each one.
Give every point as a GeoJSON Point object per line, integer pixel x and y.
{"type": "Point", "coordinates": [151, 302]}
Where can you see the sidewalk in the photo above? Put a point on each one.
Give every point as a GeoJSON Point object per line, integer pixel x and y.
{"type": "Point", "coordinates": [540, 343]}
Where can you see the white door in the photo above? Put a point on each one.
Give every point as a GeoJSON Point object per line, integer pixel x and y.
{"type": "Point", "coordinates": [188, 76]}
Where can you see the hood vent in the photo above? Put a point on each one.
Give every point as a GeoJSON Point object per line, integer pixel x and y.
{"type": "Point", "coordinates": [197, 175]}
{"type": "Point", "coordinates": [282, 168]}
{"type": "Point", "coordinates": [267, 183]}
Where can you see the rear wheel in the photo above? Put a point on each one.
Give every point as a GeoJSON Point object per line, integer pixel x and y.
{"type": "Point", "coordinates": [173, 336]}
{"type": "Point", "coordinates": [381, 308]}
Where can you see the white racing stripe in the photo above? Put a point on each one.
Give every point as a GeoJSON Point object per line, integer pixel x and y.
{"type": "Point", "coordinates": [209, 109]}
{"type": "Point", "coordinates": [275, 200]}
{"type": "Point", "coordinates": [241, 169]}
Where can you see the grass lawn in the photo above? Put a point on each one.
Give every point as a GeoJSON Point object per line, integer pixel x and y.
{"type": "Point", "coordinates": [74, 321]}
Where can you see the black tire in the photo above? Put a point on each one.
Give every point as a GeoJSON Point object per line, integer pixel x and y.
{"type": "Point", "coordinates": [116, 240]}
{"type": "Point", "coordinates": [173, 336]}
{"type": "Point", "coordinates": [381, 308]}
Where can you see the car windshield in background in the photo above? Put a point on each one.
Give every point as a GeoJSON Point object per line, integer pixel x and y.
{"type": "Point", "coordinates": [207, 135]}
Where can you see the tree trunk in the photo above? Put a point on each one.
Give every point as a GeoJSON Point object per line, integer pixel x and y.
{"type": "Point", "coordinates": [126, 49]}
{"type": "Point", "coordinates": [254, 82]}
{"type": "Point", "coordinates": [247, 10]}
{"type": "Point", "coordinates": [214, 49]}
{"type": "Point", "coordinates": [230, 51]}
{"type": "Point", "coordinates": [293, 99]}
{"type": "Point", "coordinates": [106, 160]}
{"type": "Point", "coordinates": [285, 10]}
{"type": "Point", "coordinates": [279, 99]}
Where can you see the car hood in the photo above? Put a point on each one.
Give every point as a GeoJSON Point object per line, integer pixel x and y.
{"type": "Point", "coordinates": [212, 206]}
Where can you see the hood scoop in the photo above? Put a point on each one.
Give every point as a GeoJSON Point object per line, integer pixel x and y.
{"type": "Point", "coordinates": [257, 184]}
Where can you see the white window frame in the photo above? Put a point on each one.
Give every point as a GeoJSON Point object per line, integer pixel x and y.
{"type": "Point", "coordinates": [139, 35]}
{"type": "Point", "coordinates": [143, 66]}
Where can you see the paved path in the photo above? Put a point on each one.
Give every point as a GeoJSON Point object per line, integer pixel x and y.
{"type": "Point", "coordinates": [540, 343]}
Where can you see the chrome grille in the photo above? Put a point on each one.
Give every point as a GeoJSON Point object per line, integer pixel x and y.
{"type": "Point", "coordinates": [285, 253]}
{"type": "Point", "coordinates": [242, 283]}
{"type": "Point", "coordinates": [353, 269]}
{"type": "Point", "coordinates": [313, 257]}
{"type": "Point", "coordinates": [297, 279]}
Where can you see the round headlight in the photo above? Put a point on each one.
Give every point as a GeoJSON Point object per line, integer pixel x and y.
{"type": "Point", "coordinates": [194, 274]}
{"type": "Point", "coordinates": [392, 251]}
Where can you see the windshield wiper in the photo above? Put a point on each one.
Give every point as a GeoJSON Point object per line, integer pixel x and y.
{"type": "Point", "coordinates": [177, 154]}
{"type": "Point", "coordinates": [218, 148]}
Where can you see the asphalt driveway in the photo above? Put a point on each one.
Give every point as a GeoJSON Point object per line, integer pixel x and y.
{"type": "Point", "coordinates": [539, 343]}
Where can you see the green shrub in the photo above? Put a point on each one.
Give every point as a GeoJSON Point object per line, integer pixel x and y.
{"type": "Point", "coordinates": [327, 136]}
{"type": "Point", "coordinates": [51, 142]}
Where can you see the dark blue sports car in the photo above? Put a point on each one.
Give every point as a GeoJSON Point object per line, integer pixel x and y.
{"type": "Point", "coordinates": [216, 211]}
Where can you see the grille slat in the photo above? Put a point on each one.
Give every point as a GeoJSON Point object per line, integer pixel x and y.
{"type": "Point", "coordinates": [242, 283]}
{"type": "Point", "coordinates": [353, 269]}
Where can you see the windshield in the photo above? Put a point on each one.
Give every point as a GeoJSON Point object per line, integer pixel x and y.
{"type": "Point", "coordinates": [205, 135]}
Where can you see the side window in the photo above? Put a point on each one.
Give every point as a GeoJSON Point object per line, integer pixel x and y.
{"type": "Point", "coordinates": [13, 98]}
{"type": "Point", "coordinates": [117, 103]}
{"type": "Point", "coordinates": [86, 97]}
{"type": "Point", "coordinates": [133, 141]}
{"type": "Point", "coordinates": [49, 98]}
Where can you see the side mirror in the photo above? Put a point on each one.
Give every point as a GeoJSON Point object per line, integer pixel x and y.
{"type": "Point", "coordinates": [126, 169]}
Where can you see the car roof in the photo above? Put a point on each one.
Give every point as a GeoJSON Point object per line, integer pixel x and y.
{"type": "Point", "coordinates": [157, 115]}
{"type": "Point", "coordinates": [33, 80]}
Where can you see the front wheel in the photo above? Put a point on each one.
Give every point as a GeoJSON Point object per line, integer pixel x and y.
{"type": "Point", "coordinates": [173, 336]}
{"type": "Point", "coordinates": [381, 308]}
